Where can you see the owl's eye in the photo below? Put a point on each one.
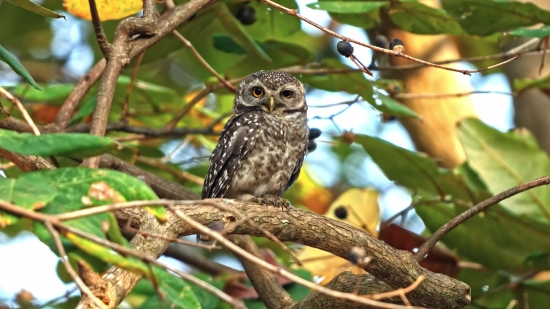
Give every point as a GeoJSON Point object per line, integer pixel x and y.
{"type": "Point", "coordinates": [286, 94]}
{"type": "Point", "coordinates": [257, 92]}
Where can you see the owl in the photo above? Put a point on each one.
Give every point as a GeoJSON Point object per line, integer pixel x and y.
{"type": "Point", "coordinates": [262, 147]}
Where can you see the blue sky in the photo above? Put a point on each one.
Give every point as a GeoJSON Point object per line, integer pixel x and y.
{"type": "Point", "coordinates": [25, 263]}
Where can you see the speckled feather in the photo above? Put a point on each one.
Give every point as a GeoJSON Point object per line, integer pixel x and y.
{"type": "Point", "coordinates": [258, 152]}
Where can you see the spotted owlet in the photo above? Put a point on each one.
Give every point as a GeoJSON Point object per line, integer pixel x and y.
{"type": "Point", "coordinates": [262, 147]}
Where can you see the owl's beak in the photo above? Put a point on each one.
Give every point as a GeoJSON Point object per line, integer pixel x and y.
{"type": "Point", "coordinates": [271, 104]}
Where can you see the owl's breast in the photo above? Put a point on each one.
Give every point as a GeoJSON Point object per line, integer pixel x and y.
{"type": "Point", "coordinates": [270, 164]}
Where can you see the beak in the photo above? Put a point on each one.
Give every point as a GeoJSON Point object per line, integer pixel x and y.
{"type": "Point", "coordinates": [271, 104]}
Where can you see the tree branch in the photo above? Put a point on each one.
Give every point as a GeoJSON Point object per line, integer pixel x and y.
{"type": "Point", "coordinates": [474, 210]}
{"type": "Point", "coordinates": [397, 268]}
{"type": "Point", "coordinates": [150, 132]}
{"type": "Point", "coordinates": [102, 41]}
{"type": "Point", "coordinates": [273, 295]}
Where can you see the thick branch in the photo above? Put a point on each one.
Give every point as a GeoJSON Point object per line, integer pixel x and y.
{"type": "Point", "coordinates": [395, 267]}
{"type": "Point", "coordinates": [347, 282]}
{"type": "Point", "coordinates": [150, 132]}
{"type": "Point", "coordinates": [265, 282]}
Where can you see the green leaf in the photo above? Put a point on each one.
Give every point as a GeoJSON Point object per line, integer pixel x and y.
{"type": "Point", "coordinates": [206, 299]}
{"type": "Point", "coordinates": [350, 7]}
{"type": "Point", "coordinates": [48, 93]}
{"type": "Point", "coordinates": [529, 83]}
{"type": "Point", "coordinates": [71, 144]}
{"type": "Point", "coordinates": [365, 20]}
{"type": "Point", "coordinates": [178, 292]}
{"type": "Point", "coordinates": [495, 238]}
{"type": "Point", "coordinates": [418, 18]}
{"type": "Point", "coordinates": [35, 8]}
{"type": "Point", "coordinates": [238, 33]}
{"type": "Point", "coordinates": [74, 183]}
{"type": "Point", "coordinates": [505, 160]}
{"type": "Point", "coordinates": [86, 110]}
{"type": "Point", "coordinates": [540, 33]}
{"type": "Point", "coordinates": [414, 170]}
{"type": "Point", "coordinates": [487, 17]}
{"type": "Point", "coordinates": [8, 58]}
{"type": "Point", "coordinates": [392, 107]}
{"type": "Point", "coordinates": [271, 23]}
{"type": "Point", "coordinates": [283, 55]}
{"type": "Point", "coordinates": [4, 114]}
{"type": "Point", "coordinates": [28, 195]}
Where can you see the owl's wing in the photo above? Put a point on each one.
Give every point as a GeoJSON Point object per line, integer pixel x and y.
{"type": "Point", "coordinates": [237, 139]}
{"type": "Point", "coordinates": [296, 171]}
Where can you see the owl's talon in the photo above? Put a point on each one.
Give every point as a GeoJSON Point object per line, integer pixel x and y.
{"type": "Point", "coordinates": [276, 201]}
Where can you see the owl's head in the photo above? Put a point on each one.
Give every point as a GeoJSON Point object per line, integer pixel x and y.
{"type": "Point", "coordinates": [273, 92]}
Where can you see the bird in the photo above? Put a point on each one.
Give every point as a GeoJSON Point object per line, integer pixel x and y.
{"type": "Point", "coordinates": [262, 147]}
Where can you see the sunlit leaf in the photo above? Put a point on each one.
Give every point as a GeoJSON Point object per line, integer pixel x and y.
{"type": "Point", "coordinates": [540, 33]}
{"type": "Point", "coordinates": [495, 238]}
{"type": "Point", "coordinates": [8, 58]}
{"type": "Point", "coordinates": [414, 170]}
{"type": "Point", "coordinates": [392, 107]}
{"type": "Point", "coordinates": [35, 8]}
{"type": "Point", "coordinates": [418, 18]}
{"type": "Point", "coordinates": [70, 144]}
{"type": "Point", "coordinates": [488, 17]}
{"type": "Point", "coordinates": [524, 84]}
{"type": "Point", "coordinates": [48, 92]}
{"type": "Point", "coordinates": [24, 193]}
{"type": "Point", "coordinates": [504, 160]}
{"type": "Point", "coordinates": [107, 10]}
{"type": "Point", "coordinates": [353, 7]}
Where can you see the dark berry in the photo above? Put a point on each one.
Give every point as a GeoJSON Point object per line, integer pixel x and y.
{"type": "Point", "coordinates": [246, 15]}
{"type": "Point", "coordinates": [397, 45]}
{"type": "Point", "coordinates": [381, 41]}
{"type": "Point", "coordinates": [314, 133]}
{"type": "Point", "coordinates": [311, 146]}
{"type": "Point", "coordinates": [341, 212]}
{"type": "Point", "coordinates": [357, 255]}
{"type": "Point", "coordinates": [387, 118]}
{"type": "Point", "coordinates": [344, 48]}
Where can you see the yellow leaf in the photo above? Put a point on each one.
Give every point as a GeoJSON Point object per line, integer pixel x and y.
{"type": "Point", "coordinates": [107, 9]}
{"type": "Point", "coordinates": [362, 209]}
{"type": "Point", "coordinates": [310, 194]}
{"type": "Point", "coordinates": [363, 212]}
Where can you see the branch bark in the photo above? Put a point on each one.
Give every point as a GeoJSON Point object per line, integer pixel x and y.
{"type": "Point", "coordinates": [349, 283]}
{"type": "Point", "coordinates": [395, 267]}
{"type": "Point", "coordinates": [265, 283]}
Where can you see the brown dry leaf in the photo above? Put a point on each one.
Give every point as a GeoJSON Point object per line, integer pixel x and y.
{"type": "Point", "coordinates": [439, 259]}
{"type": "Point", "coordinates": [363, 213]}
{"type": "Point", "coordinates": [107, 9]}
{"type": "Point", "coordinates": [44, 113]}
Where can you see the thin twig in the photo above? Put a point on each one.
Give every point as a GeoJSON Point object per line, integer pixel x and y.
{"type": "Point", "coordinates": [126, 104]}
{"type": "Point", "coordinates": [102, 41]}
{"type": "Point", "coordinates": [15, 101]}
{"type": "Point", "coordinates": [295, 13]}
{"type": "Point", "coordinates": [70, 270]}
{"type": "Point", "coordinates": [202, 61]}
{"type": "Point", "coordinates": [472, 211]}
{"type": "Point", "coordinates": [208, 247]}
{"type": "Point", "coordinates": [277, 270]}
{"type": "Point", "coordinates": [394, 293]}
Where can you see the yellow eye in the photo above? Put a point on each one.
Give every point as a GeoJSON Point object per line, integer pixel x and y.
{"type": "Point", "coordinates": [287, 94]}
{"type": "Point", "coordinates": [257, 92]}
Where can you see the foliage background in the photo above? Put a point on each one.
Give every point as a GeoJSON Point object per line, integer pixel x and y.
{"type": "Point", "coordinates": [58, 52]}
